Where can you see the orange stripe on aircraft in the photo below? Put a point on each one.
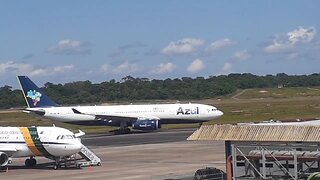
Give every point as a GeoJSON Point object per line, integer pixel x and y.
{"type": "Point", "coordinates": [27, 137]}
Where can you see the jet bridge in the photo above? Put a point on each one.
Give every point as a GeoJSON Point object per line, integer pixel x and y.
{"type": "Point", "coordinates": [274, 160]}
{"type": "Point", "coordinates": [266, 152]}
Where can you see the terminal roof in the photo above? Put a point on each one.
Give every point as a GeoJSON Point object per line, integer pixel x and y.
{"type": "Point", "coordinates": [266, 133]}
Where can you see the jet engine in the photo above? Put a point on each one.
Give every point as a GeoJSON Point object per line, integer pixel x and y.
{"type": "Point", "coordinates": [146, 124]}
{"type": "Point", "coordinates": [4, 159]}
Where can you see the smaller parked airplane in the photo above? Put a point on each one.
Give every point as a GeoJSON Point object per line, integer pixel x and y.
{"type": "Point", "coordinates": [51, 142]}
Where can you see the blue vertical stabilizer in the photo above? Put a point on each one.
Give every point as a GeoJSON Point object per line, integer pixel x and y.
{"type": "Point", "coordinates": [34, 96]}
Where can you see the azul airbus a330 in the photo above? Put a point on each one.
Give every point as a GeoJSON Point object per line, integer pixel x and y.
{"type": "Point", "coordinates": [141, 117]}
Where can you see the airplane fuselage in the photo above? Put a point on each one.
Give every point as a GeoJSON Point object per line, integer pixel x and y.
{"type": "Point", "coordinates": [38, 141]}
{"type": "Point", "coordinates": [165, 113]}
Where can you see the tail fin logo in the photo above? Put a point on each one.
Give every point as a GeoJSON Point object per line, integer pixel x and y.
{"type": "Point", "coordinates": [35, 96]}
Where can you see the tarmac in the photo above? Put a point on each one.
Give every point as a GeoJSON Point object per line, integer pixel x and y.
{"type": "Point", "coordinates": [141, 156]}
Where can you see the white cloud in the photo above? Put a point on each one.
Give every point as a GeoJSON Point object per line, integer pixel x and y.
{"type": "Point", "coordinates": [15, 68]}
{"type": "Point", "coordinates": [61, 69]}
{"type": "Point", "coordinates": [195, 66]}
{"type": "Point", "coordinates": [51, 70]}
{"type": "Point", "coordinates": [184, 46]}
{"type": "Point", "coordinates": [164, 68]}
{"type": "Point", "coordinates": [123, 68]}
{"type": "Point", "coordinates": [220, 44]}
{"type": "Point", "coordinates": [11, 67]}
{"type": "Point", "coordinates": [303, 35]}
{"type": "Point", "coordinates": [278, 47]}
{"type": "Point", "coordinates": [70, 47]}
{"type": "Point", "coordinates": [241, 55]}
{"type": "Point", "coordinates": [227, 67]}
{"type": "Point", "coordinates": [293, 38]}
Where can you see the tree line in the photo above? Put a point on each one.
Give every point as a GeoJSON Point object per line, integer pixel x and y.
{"type": "Point", "coordinates": [132, 89]}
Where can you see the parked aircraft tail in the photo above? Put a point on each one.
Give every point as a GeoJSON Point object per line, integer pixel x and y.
{"type": "Point", "coordinates": [34, 96]}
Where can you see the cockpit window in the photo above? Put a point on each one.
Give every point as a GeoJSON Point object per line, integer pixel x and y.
{"type": "Point", "coordinates": [214, 109]}
{"type": "Point", "coordinates": [69, 137]}
{"type": "Point", "coordinates": [66, 137]}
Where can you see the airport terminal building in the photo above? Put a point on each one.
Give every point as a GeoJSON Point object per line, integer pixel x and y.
{"type": "Point", "coordinates": [266, 152]}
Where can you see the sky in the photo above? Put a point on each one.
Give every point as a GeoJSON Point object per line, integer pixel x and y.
{"type": "Point", "coordinates": [100, 40]}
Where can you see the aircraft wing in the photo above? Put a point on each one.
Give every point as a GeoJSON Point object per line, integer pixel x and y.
{"type": "Point", "coordinates": [8, 149]}
{"type": "Point", "coordinates": [140, 122]}
{"type": "Point", "coordinates": [106, 117]}
{"type": "Point", "coordinates": [80, 133]}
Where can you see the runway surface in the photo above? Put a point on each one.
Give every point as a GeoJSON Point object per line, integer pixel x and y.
{"type": "Point", "coordinates": [138, 138]}
{"type": "Point", "coordinates": [156, 155]}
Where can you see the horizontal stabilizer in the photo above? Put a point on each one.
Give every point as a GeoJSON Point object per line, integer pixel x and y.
{"type": "Point", "coordinates": [39, 112]}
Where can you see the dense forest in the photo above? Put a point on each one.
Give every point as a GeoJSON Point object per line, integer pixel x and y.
{"type": "Point", "coordinates": [131, 89]}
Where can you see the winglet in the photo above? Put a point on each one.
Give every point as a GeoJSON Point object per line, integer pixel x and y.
{"type": "Point", "coordinates": [80, 133]}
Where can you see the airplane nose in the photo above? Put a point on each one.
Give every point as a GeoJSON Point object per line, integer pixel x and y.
{"type": "Point", "coordinates": [219, 113]}
{"type": "Point", "coordinates": [77, 146]}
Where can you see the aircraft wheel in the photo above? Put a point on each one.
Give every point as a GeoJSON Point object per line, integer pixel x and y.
{"type": "Point", "coordinates": [33, 162]}
{"type": "Point", "coordinates": [27, 162]}
{"type": "Point", "coordinates": [55, 167]}
{"type": "Point", "coordinates": [127, 130]}
{"type": "Point", "coordinates": [99, 164]}
{"type": "Point", "coordinates": [122, 131]}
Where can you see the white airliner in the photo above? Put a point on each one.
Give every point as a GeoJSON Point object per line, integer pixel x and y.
{"type": "Point", "coordinates": [51, 142]}
{"type": "Point", "coordinates": [141, 117]}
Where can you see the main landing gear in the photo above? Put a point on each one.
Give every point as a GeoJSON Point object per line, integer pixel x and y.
{"type": "Point", "coordinates": [123, 129]}
{"type": "Point", "coordinates": [31, 162]}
